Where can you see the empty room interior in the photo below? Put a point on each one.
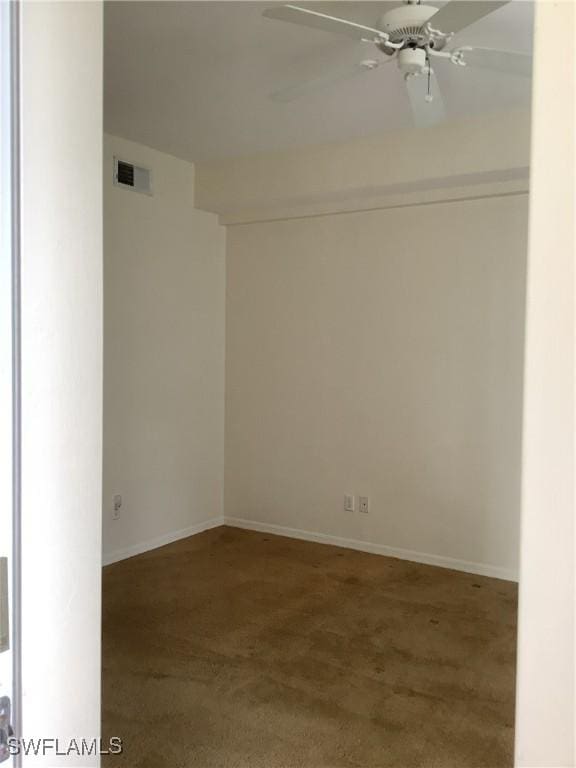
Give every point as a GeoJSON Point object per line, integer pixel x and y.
{"type": "Point", "coordinates": [315, 242]}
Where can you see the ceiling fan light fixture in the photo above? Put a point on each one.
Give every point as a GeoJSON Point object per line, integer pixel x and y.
{"type": "Point", "coordinates": [411, 61]}
{"type": "Point", "coordinates": [412, 33]}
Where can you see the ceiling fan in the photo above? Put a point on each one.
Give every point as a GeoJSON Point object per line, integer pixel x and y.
{"type": "Point", "coordinates": [414, 35]}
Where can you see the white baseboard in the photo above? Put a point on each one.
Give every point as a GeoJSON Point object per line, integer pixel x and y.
{"type": "Point", "coordinates": [481, 569]}
{"type": "Point", "coordinates": [160, 541]}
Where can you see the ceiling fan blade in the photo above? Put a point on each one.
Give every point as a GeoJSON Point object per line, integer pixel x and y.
{"type": "Point", "coordinates": [331, 78]}
{"type": "Point", "coordinates": [307, 18]}
{"type": "Point", "coordinates": [457, 14]}
{"type": "Point", "coordinates": [425, 112]}
{"type": "Point", "coordinates": [510, 62]}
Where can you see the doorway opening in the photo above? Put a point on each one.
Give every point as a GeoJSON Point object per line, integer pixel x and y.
{"type": "Point", "coordinates": [314, 303]}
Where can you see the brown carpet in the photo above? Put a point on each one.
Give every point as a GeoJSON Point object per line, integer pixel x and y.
{"type": "Point", "coordinates": [234, 649]}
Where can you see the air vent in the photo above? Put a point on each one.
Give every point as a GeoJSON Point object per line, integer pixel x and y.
{"type": "Point", "coordinates": [125, 173]}
{"type": "Point", "coordinates": [132, 176]}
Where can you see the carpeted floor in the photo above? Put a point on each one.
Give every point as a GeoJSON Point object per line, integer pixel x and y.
{"type": "Point", "coordinates": [235, 649]}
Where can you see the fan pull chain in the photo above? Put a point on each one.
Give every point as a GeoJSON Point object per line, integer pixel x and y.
{"type": "Point", "coordinates": [428, 96]}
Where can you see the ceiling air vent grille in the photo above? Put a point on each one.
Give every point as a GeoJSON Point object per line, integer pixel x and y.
{"type": "Point", "coordinates": [131, 176]}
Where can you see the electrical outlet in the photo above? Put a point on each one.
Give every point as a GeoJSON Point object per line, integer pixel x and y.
{"type": "Point", "coordinates": [117, 507]}
{"type": "Point", "coordinates": [349, 504]}
{"type": "Point", "coordinates": [364, 504]}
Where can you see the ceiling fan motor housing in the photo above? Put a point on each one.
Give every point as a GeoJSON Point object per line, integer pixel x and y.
{"type": "Point", "coordinates": [407, 24]}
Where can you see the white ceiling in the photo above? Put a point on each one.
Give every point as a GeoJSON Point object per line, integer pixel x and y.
{"type": "Point", "coordinates": [193, 78]}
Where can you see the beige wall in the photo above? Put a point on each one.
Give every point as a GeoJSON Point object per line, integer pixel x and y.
{"type": "Point", "coordinates": [164, 267]}
{"type": "Point", "coordinates": [374, 352]}
{"type": "Point", "coordinates": [546, 711]}
{"type": "Point", "coordinates": [380, 354]}
{"type": "Point", "coordinates": [61, 374]}
{"type": "Point", "coordinates": [458, 158]}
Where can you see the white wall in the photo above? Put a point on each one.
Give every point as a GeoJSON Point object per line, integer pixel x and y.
{"type": "Point", "coordinates": [458, 158]}
{"type": "Point", "coordinates": [164, 271]}
{"type": "Point", "coordinates": [61, 371]}
{"type": "Point", "coordinates": [546, 714]}
{"type": "Point", "coordinates": [380, 353]}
